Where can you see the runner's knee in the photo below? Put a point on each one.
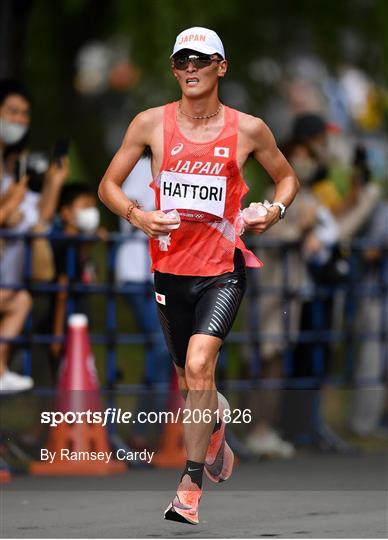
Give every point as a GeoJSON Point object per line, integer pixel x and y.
{"type": "Point", "coordinates": [199, 370]}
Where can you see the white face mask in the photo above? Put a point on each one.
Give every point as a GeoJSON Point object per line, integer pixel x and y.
{"type": "Point", "coordinates": [304, 168]}
{"type": "Point", "coordinates": [11, 132]}
{"type": "Point", "coordinates": [87, 219]}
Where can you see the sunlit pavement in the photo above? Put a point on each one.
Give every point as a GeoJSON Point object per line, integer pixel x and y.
{"type": "Point", "coordinates": [310, 496]}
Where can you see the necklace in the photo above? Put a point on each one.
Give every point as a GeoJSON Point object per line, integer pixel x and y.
{"type": "Point", "coordinates": [200, 117]}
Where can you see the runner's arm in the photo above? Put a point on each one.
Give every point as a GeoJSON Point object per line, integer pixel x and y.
{"type": "Point", "coordinates": [270, 157]}
{"type": "Point", "coordinates": [125, 159]}
{"type": "Point", "coordinates": [110, 192]}
{"type": "Point", "coordinates": [266, 152]}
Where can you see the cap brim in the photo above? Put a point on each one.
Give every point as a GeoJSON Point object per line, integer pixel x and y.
{"type": "Point", "coordinates": [197, 48]}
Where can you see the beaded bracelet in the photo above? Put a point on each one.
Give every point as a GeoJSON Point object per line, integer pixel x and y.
{"type": "Point", "coordinates": [132, 205]}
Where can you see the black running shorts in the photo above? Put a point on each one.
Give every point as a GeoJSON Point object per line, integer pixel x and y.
{"type": "Point", "coordinates": [190, 305]}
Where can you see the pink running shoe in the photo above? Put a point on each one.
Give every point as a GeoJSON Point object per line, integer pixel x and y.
{"type": "Point", "coordinates": [219, 458]}
{"type": "Point", "coordinates": [184, 507]}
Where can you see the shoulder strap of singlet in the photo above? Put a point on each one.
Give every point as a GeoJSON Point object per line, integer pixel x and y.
{"type": "Point", "coordinates": [230, 130]}
{"type": "Point", "coordinates": [231, 120]}
{"type": "Point", "coordinates": [169, 115]}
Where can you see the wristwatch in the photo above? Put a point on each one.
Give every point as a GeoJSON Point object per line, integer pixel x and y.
{"type": "Point", "coordinates": [281, 207]}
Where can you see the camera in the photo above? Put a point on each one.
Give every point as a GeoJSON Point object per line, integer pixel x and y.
{"type": "Point", "coordinates": [35, 164]}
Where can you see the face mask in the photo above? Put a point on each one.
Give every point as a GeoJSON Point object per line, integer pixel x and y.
{"type": "Point", "coordinates": [304, 169]}
{"type": "Point", "coordinates": [321, 152]}
{"type": "Point", "coordinates": [87, 219]}
{"type": "Point", "coordinates": [11, 132]}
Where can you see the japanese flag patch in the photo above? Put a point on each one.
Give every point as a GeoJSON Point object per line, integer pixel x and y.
{"type": "Point", "coordinates": [160, 298]}
{"type": "Point", "coordinates": [221, 151]}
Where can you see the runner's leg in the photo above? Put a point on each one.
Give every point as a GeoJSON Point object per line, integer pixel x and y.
{"type": "Point", "coordinates": [200, 367]}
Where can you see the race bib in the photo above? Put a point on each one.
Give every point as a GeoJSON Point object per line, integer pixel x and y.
{"type": "Point", "coordinates": [197, 197]}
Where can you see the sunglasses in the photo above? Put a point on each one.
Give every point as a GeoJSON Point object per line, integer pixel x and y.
{"type": "Point", "coordinates": [199, 61]}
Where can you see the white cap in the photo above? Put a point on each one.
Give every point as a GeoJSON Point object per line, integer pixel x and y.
{"type": "Point", "coordinates": [199, 39]}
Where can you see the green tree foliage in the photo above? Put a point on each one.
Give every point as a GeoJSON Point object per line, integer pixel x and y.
{"type": "Point", "coordinates": [55, 31]}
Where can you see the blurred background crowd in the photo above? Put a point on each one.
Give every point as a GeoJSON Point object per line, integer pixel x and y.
{"type": "Point", "coordinates": [72, 75]}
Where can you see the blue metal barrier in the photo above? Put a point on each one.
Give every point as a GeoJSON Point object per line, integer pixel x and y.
{"type": "Point", "coordinates": [319, 336]}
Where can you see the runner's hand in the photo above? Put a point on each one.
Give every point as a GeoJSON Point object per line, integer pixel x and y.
{"type": "Point", "coordinates": [152, 223]}
{"type": "Point", "coordinates": [261, 224]}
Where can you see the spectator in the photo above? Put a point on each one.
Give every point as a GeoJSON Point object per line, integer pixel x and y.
{"type": "Point", "coordinates": [368, 399]}
{"type": "Point", "coordinates": [303, 418]}
{"type": "Point", "coordinates": [78, 213]}
{"type": "Point", "coordinates": [352, 209]}
{"type": "Point", "coordinates": [366, 193]}
{"type": "Point", "coordinates": [15, 304]}
{"type": "Point", "coordinates": [22, 210]}
{"type": "Point", "coordinates": [312, 359]}
{"type": "Point", "coordinates": [141, 299]}
{"type": "Point", "coordinates": [312, 226]}
{"type": "Point", "coordinates": [311, 130]}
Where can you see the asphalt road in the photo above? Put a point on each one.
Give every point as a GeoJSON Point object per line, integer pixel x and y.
{"type": "Point", "coordinates": [310, 496]}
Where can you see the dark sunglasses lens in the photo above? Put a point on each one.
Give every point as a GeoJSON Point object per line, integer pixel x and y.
{"type": "Point", "coordinates": [181, 62]}
{"type": "Point", "coordinates": [202, 61]}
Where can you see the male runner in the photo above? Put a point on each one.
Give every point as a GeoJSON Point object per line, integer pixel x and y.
{"type": "Point", "coordinates": [199, 146]}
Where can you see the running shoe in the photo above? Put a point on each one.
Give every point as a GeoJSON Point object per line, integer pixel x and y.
{"type": "Point", "coordinates": [219, 458]}
{"type": "Point", "coordinates": [184, 507]}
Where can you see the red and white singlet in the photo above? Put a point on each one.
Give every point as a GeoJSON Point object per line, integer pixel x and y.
{"type": "Point", "coordinates": [203, 182]}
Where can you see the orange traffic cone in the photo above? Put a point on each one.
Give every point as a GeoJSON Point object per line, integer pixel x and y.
{"type": "Point", "coordinates": [78, 448]}
{"type": "Point", "coordinates": [171, 451]}
{"type": "Point", "coordinates": [5, 474]}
